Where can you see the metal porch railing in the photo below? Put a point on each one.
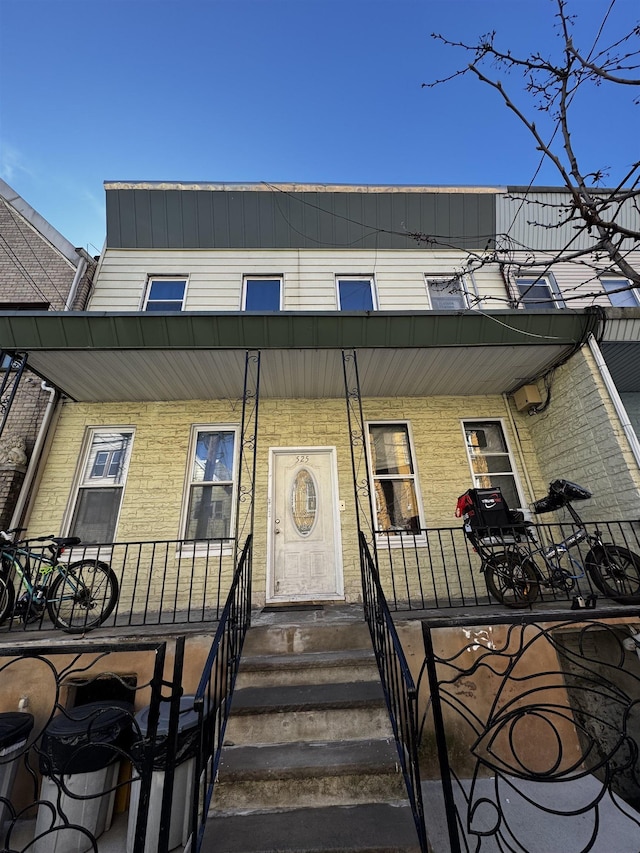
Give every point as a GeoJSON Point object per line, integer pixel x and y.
{"type": "Point", "coordinates": [169, 582]}
{"type": "Point", "coordinates": [142, 737]}
{"type": "Point", "coordinates": [397, 683]}
{"type": "Point", "coordinates": [437, 568]}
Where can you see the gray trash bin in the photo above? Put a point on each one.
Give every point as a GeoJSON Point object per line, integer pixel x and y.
{"type": "Point", "coordinates": [183, 781]}
{"type": "Point", "coordinates": [79, 751]}
{"type": "Point", "coordinates": [15, 728]}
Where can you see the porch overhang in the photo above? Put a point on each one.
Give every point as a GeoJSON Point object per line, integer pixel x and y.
{"type": "Point", "coordinates": [100, 357]}
{"type": "Point", "coordinates": [620, 346]}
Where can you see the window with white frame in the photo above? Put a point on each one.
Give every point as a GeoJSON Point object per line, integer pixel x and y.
{"type": "Point", "coordinates": [262, 294]}
{"type": "Point", "coordinates": [101, 485]}
{"type": "Point", "coordinates": [491, 461]}
{"type": "Point", "coordinates": [165, 294]}
{"type": "Point", "coordinates": [356, 293]}
{"type": "Point", "coordinates": [393, 477]}
{"type": "Point", "coordinates": [620, 292]}
{"type": "Point", "coordinates": [211, 483]}
{"type": "Point", "coordinates": [538, 292]}
{"type": "Point", "coordinates": [446, 293]}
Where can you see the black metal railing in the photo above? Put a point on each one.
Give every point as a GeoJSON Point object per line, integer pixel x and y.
{"type": "Point", "coordinates": [169, 582]}
{"type": "Point", "coordinates": [397, 683]}
{"type": "Point", "coordinates": [102, 721]}
{"type": "Point", "coordinates": [214, 693]}
{"type": "Point", "coordinates": [438, 568]}
{"type": "Point", "coordinates": [529, 732]}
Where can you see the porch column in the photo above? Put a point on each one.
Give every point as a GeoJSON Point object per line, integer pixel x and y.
{"type": "Point", "coordinates": [248, 448]}
{"type": "Point", "coordinates": [357, 435]}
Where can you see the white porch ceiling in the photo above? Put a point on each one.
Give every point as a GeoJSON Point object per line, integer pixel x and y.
{"type": "Point", "coordinates": [144, 374]}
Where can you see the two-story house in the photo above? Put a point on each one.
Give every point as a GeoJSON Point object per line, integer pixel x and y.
{"type": "Point", "coordinates": [306, 361]}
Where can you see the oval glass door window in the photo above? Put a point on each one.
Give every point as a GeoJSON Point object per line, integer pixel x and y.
{"type": "Point", "coordinates": [304, 502]}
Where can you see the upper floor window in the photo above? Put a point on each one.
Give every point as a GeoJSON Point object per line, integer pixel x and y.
{"type": "Point", "coordinates": [100, 488]}
{"type": "Point", "coordinates": [393, 475]}
{"type": "Point", "coordinates": [620, 292]}
{"type": "Point", "coordinates": [539, 292]}
{"type": "Point", "coordinates": [446, 293]}
{"type": "Point", "coordinates": [356, 294]}
{"type": "Point", "coordinates": [491, 461]}
{"type": "Point", "coordinates": [165, 294]}
{"type": "Point", "coordinates": [262, 294]}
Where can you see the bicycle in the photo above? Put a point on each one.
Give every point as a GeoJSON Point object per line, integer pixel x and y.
{"type": "Point", "coordinates": [77, 596]}
{"type": "Point", "coordinates": [513, 574]}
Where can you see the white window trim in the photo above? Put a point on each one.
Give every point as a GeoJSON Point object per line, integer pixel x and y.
{"type": "Point", "coordinates": [524, 507]}
{"type": "Point", "coordinates": [540, 279]}
{"type": "Point", "coordinates": [191, 549]}
{"type": "Point", "coordinates": [395, 538]}
{"type": "Point", "coordinates": [365, 277]}
{"type": "Point", "coordinates": [621, 282]}
{"type": "Point", "coordinates": [165, 277]}
{"type": "Point", "coordinates": [446, 278]}
{"type": "Point", "coordinates": [267, 276]}
{"type": "Point", "coordinates": [87, 441]}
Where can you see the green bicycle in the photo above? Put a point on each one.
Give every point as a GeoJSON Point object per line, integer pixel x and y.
{"type": "Point", "coordinates": [77, 596]}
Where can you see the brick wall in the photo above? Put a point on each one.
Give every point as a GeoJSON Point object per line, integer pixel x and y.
{"type": "Point", "coordinates": [32, 270]}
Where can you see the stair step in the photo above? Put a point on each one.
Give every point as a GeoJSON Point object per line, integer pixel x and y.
{"type": "Point", "coordinates": [314, 637]}
{"type": "Point", "coordinates": [308, 712]}
{"type": "Point", "coordinates": [306, 668]}
{"type": "Point", "coordinates": [312, 773]}
{"type": "Point", "coordinates": [307, 697]}
{"type": "Point", "coordinates": [365, 828]}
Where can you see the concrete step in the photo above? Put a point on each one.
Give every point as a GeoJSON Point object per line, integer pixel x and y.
{"type": "Point", "coordinates": [365, 828]}
{"type": "Point", "coordinates": [319, 712]}
{"type": "Point", "coordinates": [313, 773]}
{"type": "Point", "coordinates": [307, 668]}
{"type": "Point", "coordinates": [306, 637]}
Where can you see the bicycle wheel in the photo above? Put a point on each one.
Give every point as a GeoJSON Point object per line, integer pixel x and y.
{"type": "Point", "coordinates": [83, 597]}
{"type": "Point", "coordinates": [512, 579]}
{"type": "Point", "coordinates": [7, 598]}
{"type": "Point", "coordinates": [615, 572]}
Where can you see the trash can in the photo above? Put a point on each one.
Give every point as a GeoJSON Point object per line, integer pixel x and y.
{"type": "Point", "coordinates": [79, 762]}
{"type": "Point", "coordinates": [15, 728]}
{"type": "Point", "coordinates": [183, 780]}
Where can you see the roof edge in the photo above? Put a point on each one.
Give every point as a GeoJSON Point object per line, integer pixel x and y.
{"type": "Point", "coordinates": [41, 225]}
{"type": "Point", "coordinates": [264, 186]}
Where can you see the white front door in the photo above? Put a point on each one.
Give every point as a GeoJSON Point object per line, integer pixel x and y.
{"type": "Point", "coordinates": [303, 540]}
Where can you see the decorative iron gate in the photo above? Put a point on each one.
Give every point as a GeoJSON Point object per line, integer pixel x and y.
{"type": "Point", "coordinates": [531, 733]}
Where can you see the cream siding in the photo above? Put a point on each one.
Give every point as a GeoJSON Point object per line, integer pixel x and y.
{"type": "Point", "coordinates": [215, 277]}
{"type": "Point", "coordinates": [578, 281]}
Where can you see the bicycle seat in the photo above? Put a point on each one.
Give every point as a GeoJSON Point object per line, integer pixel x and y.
{"type": "Point", "coordinates": [66, 541]}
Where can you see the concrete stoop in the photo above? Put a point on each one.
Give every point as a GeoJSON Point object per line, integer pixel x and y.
{"type": "Point", "coordinates": [309, 761]}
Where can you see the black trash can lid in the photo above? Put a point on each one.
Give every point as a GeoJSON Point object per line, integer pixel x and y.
{"type": "Point", "coordinates": [98, 717]}
{"type": "Point", "coordinates": [86, 738]}
{"type": "Point", "coordinates": [188, 718]}
{"type": "Point", "coordinates": [14, 727]}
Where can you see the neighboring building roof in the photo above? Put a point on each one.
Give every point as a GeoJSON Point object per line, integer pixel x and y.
{"type": "Point", "coordinates": [44, 228]}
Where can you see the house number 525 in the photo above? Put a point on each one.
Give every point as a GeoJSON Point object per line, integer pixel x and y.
{"type": "Point", "coordinates": [302, 459]}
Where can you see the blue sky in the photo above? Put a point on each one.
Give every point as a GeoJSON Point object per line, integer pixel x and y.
{"type": "Point", "coordinates": [321, 91]}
